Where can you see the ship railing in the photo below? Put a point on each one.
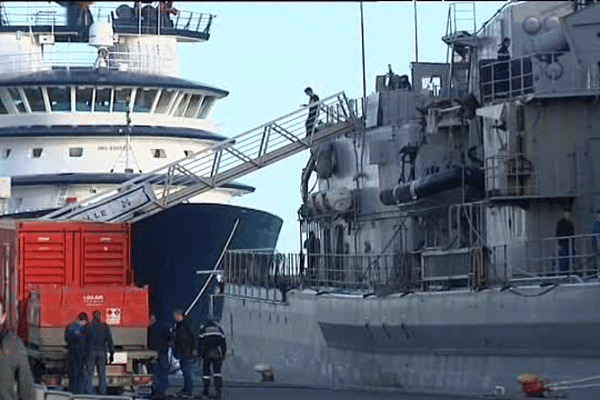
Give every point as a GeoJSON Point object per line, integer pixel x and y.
{"type": "Point", "coordinates": [519, 175]}
{"type": "Point", "coordinates": [545, 260]}
{"type": "Point", "coordinates": [358, 106]}
{"type": "Point", "coordinates": [153, 20]}
{"type": "Point", "coordinates": [82, 59]}
{"type": "Point", "coordinates": [33, 14]}
{"type": "Point", "coordinates": [366, 273]}
{"type": "Point", "coordinates": [147, 19]}
{"type": "Point", "coordinates": [519, 263]}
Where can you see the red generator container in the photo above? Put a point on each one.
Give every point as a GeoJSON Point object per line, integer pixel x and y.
{"type": "Point", "coordinates": [52, 271]}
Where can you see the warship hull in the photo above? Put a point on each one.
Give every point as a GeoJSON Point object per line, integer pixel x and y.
{"type": "Point", "coordinates": [458, 343]}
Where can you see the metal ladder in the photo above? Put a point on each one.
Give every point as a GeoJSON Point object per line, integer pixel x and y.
{"type": "Point", "coordinates": [461, 18]}
{"type": "Point", "coordinates": [176, 182]}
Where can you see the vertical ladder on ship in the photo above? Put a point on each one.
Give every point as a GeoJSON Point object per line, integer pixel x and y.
{"type": "Point", "coordinates": [461, 18]}
{"type": "Point", "coordinates": [176, 182]}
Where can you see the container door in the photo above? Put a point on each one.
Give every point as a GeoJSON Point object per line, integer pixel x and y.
{"type": "Point", "coordinates": [45, 259]}
{"type": "Point", "coordinates": [105, 258]}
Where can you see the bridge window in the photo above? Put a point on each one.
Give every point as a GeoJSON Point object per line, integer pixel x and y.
{"type": "Point", "coordinates": [159, 153]}
{"type": "Point", "coordinates": [75, 151]}
{"type": "Point", "coordinates": [182, 105]}
{"type": "Point", "coordinates": [122, 98]}
{"type": "Point", "coordinates": [164, 101]}
{"type": "Point", "coordinates": [207, 102]}
{"type": "Point", "coordinates": [6, 153]}
{"type": "Point", "coordinates": [16, 96]}
{"type": "Point", "coordinates": [36, 152]}
{"type": "Point", "coordinates": [432, 85]}
{"type": "Point", "coordinates": [188, 153]}
{"type": "Point", "coordinates": [192, 108]}
{"type": "Point", "coordinates": [35, 99]}
{"type": "Point", "coordinates": [102, 101]}
{"type": "Point", "coordinates": [60, 98]}
{"type": "Point", "coordinates": [144, 100]}
{"type": "Point", "coordinates": [83, 98]}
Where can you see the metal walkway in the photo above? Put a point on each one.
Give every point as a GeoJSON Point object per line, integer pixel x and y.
{"type": "Point", "coordinates": [154, 191]}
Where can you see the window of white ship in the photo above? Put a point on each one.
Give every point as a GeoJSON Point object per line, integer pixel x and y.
{"type": "Point", "coordinates": [35, 99]}
{"type": "Point", "coordinates": [75, 151]}
{"type": "Point", "coordinates": [3, 109]}
{"type": "Point", "coordinates": [60, 98]}
{"type": "Point", "coordinates": [193, 107]}
{"type": "Point", "coordinates": [122, 97]}
{"type": "Point", "coordinates": [207, 102]}
{"type": "Point", "coordinates": [83, 98]}
{"type": "Point", "coordinates": [164, 101]}
{"type": "Point", "coordinates": [6, 153]}
{"type": "Point", "coordinates": [36, 152]}
{"type": "Point", "coordinates": [144, 100]}
{"type": "Point", "coordinates": [188, 153]}
{"type": "Point", "coordinates": [16, 96]}
{"type": "Point", "coordinates": [181, 106]}
{"type": "Point", "coordinates": [102, 101]}
{"type": "Point", "coordinates": [159, 153]}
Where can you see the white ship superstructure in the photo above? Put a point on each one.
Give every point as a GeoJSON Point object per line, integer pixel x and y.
{"type": "Point", "coordinates": [90, 95]}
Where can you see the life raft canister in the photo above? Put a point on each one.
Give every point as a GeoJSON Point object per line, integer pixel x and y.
{"type": "Point", "coordinates": [533, 385]}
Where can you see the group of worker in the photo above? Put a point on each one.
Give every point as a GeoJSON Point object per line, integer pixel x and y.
{"type": "Point", "coordinates": [88, 343]}
{"type": "Point", "coordinates": [178, 337]}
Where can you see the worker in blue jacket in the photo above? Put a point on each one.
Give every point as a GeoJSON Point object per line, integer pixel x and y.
{"type": "Point", "coordinates": [76, 354]}
{"type": "Point", "coordinates": [159, 340]}
{"type": "Point", "coordinates": [183, 350]}
{"type": "Point", "coordinates": [98, 343]}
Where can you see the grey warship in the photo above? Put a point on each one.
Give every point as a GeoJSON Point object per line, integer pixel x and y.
{"type": "Point", "coordinates": [434, 263]}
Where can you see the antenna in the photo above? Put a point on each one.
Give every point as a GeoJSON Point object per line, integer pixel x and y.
{"type": "Point", "coordinates": [416, 32]}
{"type": "Point", "coordinates": [362, 36]}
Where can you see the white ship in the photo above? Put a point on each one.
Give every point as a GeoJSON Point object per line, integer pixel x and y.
{"type": "Point", "coordinates": [87, 103]}
{"type": "Point", "coordinates": [91, 97]}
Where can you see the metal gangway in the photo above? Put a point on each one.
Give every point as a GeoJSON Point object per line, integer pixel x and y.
{"type": "Point", "coordinates": [174, 183]}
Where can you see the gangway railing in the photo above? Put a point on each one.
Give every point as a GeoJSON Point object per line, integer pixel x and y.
{"type": "Point", "coordinates": [176, 182]}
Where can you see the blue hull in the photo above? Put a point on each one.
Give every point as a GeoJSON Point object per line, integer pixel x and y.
{"type": "Point", "coordinates": [169, 247]}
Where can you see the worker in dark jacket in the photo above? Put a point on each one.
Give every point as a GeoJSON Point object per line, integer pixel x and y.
{"type": "Point", "coordinates": [98, 343]}
{"type": "Point", "coordinates": [564, 230]}
{"type": "Point", "coordinates": [158, 340]}
{"type": "Point", "coordinates": [76, 354]}
{"type": "Point", "coordinates": [313, 110]}
{"type": "Point", "coordinates": [183, 350]}
{"type": "Point", "coordinates": [212, 348]}
{"type": "Point", "coordinates": [14, 367]}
